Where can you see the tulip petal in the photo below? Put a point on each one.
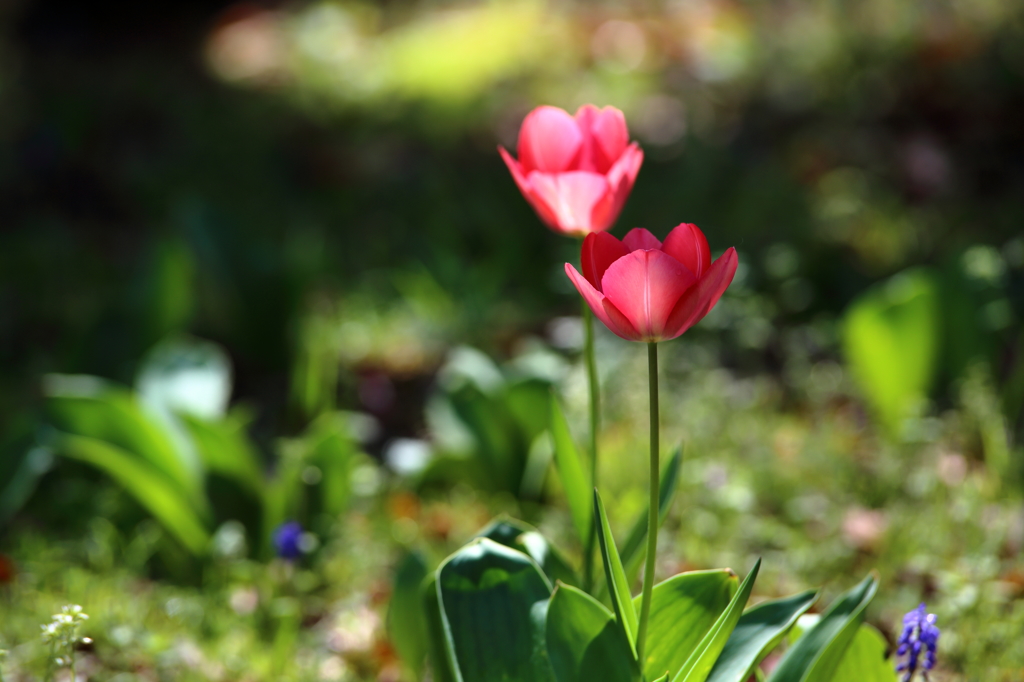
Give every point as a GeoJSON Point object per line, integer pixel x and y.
{"type": "Point", "coordinates": [640, 238]}
{"type": "Point", "coordinates": [543, 210]}
{"type": "Point", "coordinates": [549, 140]}
{"type": "Point", "coordinates": [645, 286]}
{"type": "Point", "coordinates": [622, 176]}
{"type": "Point", "coordinates": [602, 307]}
{"type": "Point", "coordinates": [575, 198]}
{"type": "Point", "coordinates": [699, 300]}
{"type": "Point", "coordinates": [605, 137]}
{"type": "Point", "coordinates": [600, 250]}
{"type": "Point", "coordinates": [688, 245]}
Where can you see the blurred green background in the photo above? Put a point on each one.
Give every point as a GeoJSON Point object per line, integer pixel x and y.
{"type": "Point", "coordinates": [313, 190]}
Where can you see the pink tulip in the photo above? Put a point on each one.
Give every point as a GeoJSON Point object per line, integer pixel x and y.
{"type": "Point", "coordinates": [576, 172]}
{"type": "Point", "coordinates": [644, 290]}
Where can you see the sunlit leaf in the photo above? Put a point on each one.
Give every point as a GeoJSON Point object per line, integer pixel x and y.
{"type": "Point", "coordinates": [683, 610]}
{"type": "Point", "coordinates": [760, 629]}
{"type": "Point", "coordinates": [406, 623]}
{"type": "Point", "coordinates": [525, 538]}
{"type": "Point", "coordinates": [817, 653]}
{"type": "Point", "coordinates": [622, 600]}
{"type": "Point", "coordinates": [864, 660]}
{"type": "Point", "coordinates": [583, 640]}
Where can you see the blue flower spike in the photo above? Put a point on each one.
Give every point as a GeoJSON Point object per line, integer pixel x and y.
{"type": "Point", "coordinates": [287, 540]}
{"type": "Point", "coordinates": [920, 634]}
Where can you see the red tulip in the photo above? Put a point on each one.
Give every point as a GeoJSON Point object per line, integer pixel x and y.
{"type": "Point", "coordinates": [576, 172]}
{"type": "Point", "coordinates": [644, 290]}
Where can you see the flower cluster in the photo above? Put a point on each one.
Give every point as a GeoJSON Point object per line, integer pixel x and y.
{"type": "Point", "coordinates": [920, 634]}
{"type": "Point", "coordinates": [61, 633]}
{"type": "Point", "coordinates": [288, 540]}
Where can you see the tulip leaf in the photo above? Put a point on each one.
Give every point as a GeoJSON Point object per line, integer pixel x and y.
{"type": "Point", "coordinates": [634, 549]}
{"type": "Point", "coordinates": [475, 585]}
{"type": "Point", "coordinates": [441, 663]}
{"type": "Point", "coordinates": [583, 640]}
{"type": "Point", "coordinates": [663, 678]}
{"type": "Point", "coordinates": [575, 483]}
{"type": "Point", "coordinates": [698, 666]}
{"type": "Point", "coordinates": [521, 536]}
{"type": "Point", "coordinates": [683, 610]}
{"type": "Point", "coordinates": [818, 651]}
{"type": "Point", "coordinates": [864, 660]}
{"type": "Point", "coordinates": [759, 631]}
{"type": "Point", "coordinates": [622, 601]}
{"type": "Point", "coordinates": [225, 448]}
{"type": "Point", "coordinates": [148, 485]}
{"type": "Point", "coordinates": [406, 622]}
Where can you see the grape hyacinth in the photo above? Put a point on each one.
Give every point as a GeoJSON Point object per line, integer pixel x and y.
{"type": "Point", "coordinates": [919, 633]}
{"type": "Point", "coordinates": [288, 540]}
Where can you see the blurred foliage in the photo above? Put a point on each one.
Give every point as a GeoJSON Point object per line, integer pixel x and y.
{"type": "Point", "coordinates": [314, 188]}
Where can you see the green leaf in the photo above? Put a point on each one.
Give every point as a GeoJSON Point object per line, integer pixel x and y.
{"type": "Point", "coordinates": [622, 600]}
{"type": "Point", "coordinates": [634, 549]}
{"type": "Point", "coordinates": [91, 407]}
{"type": "Point", "coordinates": [698, 666]}
{"type": "Point", "coordinates": [407, 627]}
{"type": "Point", "coordinates": [493, 603]}
{"type": "Point", "coordinates": [575, 483]}
{"type": "Point", "coordinates": [759, 631]}
{"type": "Point", "coordinates": [817, 653]}
{"type": "Point", "coordinates": [329, 446]}
{"type": "Point", "coordinates": [584, 642]}
{"type": "Point", "coordinates": [149, 486]}
{"type": "Point", "coordinates": [441, 663]}
{"type": "Point", "coordinates": [683, 609]}
{"type": "Point", "coordinates": [890, 339]}
{"type": "Point", "coordinates": [521, 536]}
{"type": "Point", "coordinates": [663, 678]}
{"type": "Point", "coordinates": [225, 448]}
{"type": "Point", "coordinates": [864, 660]}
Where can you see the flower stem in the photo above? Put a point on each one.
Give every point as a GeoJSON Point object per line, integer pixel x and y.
{"type": "Point", "coordinates": [652, 515]}
{"type": "Point", "coordinates": [595, 415]}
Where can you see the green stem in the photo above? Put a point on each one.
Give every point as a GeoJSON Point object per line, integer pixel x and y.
{"type": "Point", "coordinates": [652, 516]}
{"type": "Point", "coordinates": [595, 412]}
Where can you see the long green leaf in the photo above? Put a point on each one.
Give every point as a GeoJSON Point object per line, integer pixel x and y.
{"type": "Point", "coordinates": [91, 407]}
{"type": "Point", "coordinates": [699, 665]}
{"type": "Point", "coordinates": [406, 623]}
{"type": "Point", "coordinates": [759, 631]}
{"type": "Point", "coordinates": [683, 609]}
{"type": "Point", "coordinates": [575, 483]}
{"type": "Point", "coordinates": [625, 612]}
{"type": "Point", "coordinates": [442, 664]}
{"type": "Point", "coordinates": [149, 486]}
{"type": "Point", "coordinates": [225, 449]}
{"type": "Point", "coordinates": [493, 603]}
{"type": "Point", "coordinates": [817, 653]}
{"type": "Point", "coordinates": [584, 642]}
{"type": "Point", "coordinates": [864, 660]}
{"type": "Point", "coordinates": [634, 548]}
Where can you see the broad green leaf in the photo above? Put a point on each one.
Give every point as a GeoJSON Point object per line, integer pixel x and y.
{"type": "Point", "coordinates": [683, 610]}
{"type": "Point", "coordinates": [864, 660]}
{"type": "Point", "coordinates": [91, 407]}
{"type": "Point", "coordinates": [634, 549]}
{"type": "Point", "coordinates": [329, 446]}
{"type": "Point", "coordinates": [816, 654]}
{"type": "Point", "coordinates": [442, 665]}
{"type": "Point", "coordinates": [225, 448]}
{"type": "Point", "coordinates": [521, 536]}
{"type": "Point", "coordinates": [149, 486]}
{"type": "Point", "coordinates": [493, 603]}
{"type": "Point", "coordinates": [698, 666]}
{"type": "Point", "coordinates": [622, 600]}
{"type": "Point", "coordinates": [759, 631]}
{"type": "Point", "coordinates": [890, 339]}
{"type": "Point", "coordinates": [500, 442]}
{"type": "Point", "coordinates": [584, 642]}
{"type": "Point", "coordinates": [663, 678]}
{"type": "Point", "coordinates": [407, 627]}
{"type": "Point", "coordinates": [575, 483]}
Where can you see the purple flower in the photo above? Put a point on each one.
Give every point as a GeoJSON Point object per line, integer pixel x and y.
{"type": "Point", "coordinates": [286, 540]}
{"type": "Point", "coordinates": [919, 634]}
